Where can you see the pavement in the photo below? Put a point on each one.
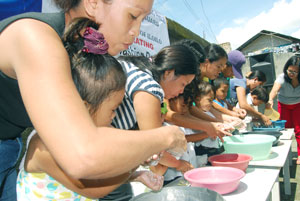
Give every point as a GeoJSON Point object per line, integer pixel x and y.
{"type": "Point", "coordinates": [295, 178]}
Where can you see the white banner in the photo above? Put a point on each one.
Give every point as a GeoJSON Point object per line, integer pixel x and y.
{"type": "Point", "coordinates": [153, 36]}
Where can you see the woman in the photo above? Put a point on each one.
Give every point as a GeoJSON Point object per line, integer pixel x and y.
{"type": "Point", "coordinates": [209, 67]}
{"type": "Point", "coordinates": [149, 81]}
{"type": "Point", "coordinates": [239, 88]}
{"type": "Point", "coordinates": [37, 90]}
{"type": "Point", "coordinates": [287, 88]}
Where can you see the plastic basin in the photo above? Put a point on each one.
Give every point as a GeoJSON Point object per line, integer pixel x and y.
{"type": "Point", "coordinates": [240, 161]}
{"type": "Point", "coordinates": [279, 124]}
{"type": "Point", "coordinates": [223, 180]}
{"type": "Point", "coordinates": [257, 146]}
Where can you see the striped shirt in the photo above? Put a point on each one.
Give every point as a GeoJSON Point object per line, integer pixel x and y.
{"type": "Point", "coordinates": [137, 80]}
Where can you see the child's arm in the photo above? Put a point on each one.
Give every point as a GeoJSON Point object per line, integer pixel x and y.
{"type": "Point", "coordinates": [39, 159]}
{"type": "Point", "coordinates": [224, 110]}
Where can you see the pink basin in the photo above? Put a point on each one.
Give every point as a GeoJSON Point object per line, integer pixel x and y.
{"type": "Point", "coordinates": [220, 179]}
{"type": "Point", "coordinates": [240, 161]}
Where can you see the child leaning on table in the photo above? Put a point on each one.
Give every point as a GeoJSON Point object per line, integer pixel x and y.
{"type": "Point", "coordinates": [181, 105]}
{"type": "Point", "coordinates": [100, 81]}
{"type": "Point", "coordinates": [256, 97]}
{"type": "Point", "coordinates": [221, 88]}
{"type": "Point", "coordinates": [208, 146]}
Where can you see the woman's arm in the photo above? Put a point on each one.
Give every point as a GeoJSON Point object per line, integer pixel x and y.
{"type": "Point", "coordinates": [275, 89]}
{"type": "Point", "coordinates": [38, 159]}
{"type": "Point", "coordinates": [60, 116]}
{"type": "Point", "coordinates": [241, 95]}
{"type": "Point", "coordinates": [196, 137]}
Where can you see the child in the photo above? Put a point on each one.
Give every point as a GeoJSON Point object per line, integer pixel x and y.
{"type": "Point", "coordinates": [208, 146]}
{"type": "Point", "coordinates": [227, 71]}
{"type": "Point", "coordinates": [100, 81]}
{"type": "Point", "coordinates": [256, 97]}
{"type": "Point", "coordinates": [181, 105]}
{"type": "Point", "coordinates": [221, 86]}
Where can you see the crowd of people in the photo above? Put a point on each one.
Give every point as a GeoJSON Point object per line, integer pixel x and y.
{"type": "Point", "coordinates": [97, 118]}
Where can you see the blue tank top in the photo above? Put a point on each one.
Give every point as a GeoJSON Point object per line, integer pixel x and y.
{"type": "Point", "coordinates": [13, 116]}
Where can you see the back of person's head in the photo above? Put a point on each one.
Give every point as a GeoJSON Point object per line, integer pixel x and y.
{"type": "Point", "coordinates": [261, 93]}
{"type": "Point", "coordinates": [292, 61]}
{"type": "Point", "coordinates": [204, 89]}
{"type": "Point", "coordinates": [215, 52]}
{"type": "Point", "coordinates": [257, 74]}
{"type": "Point", "coordinates": [196, 47]}
{"type": "Point", "coordinates": [174, 57]}
{"type": "Point", "coordinates": [219, 81]}
{"type": "Point", "coordinates": [96, 76]}
{"type": "Point", "coordinates": [67, 5]}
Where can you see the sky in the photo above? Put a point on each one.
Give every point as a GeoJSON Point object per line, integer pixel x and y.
{"type": "Point", "coordinates": [234, 21]}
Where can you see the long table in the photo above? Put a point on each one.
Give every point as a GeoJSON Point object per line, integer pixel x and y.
{"type": "Point", "coordinates": [278, 159]}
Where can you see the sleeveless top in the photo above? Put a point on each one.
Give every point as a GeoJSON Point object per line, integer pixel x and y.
{"type": "Point", "coordinates": [13, 116]}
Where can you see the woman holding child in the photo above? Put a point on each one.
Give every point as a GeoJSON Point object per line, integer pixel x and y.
{"type": "Point", "coordinates": [37, 90]}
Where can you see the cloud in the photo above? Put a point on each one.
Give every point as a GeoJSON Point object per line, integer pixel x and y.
{"type": "Point", "coordinates": [283, 18]}
{"type": "Point", "coordinates": [240, 21]}
{"type": "Point", "coordinates": [296, 34]}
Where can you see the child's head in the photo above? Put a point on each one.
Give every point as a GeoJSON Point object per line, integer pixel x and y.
{"type": "Point", "coordinates": [256, 78]}
{"type": "Point", "coordinates": [99, 78]}
{"type": "Point", "coordinates": [259, 96]}
{"type": "Point", "coordinates": [180, 104]}
{"type": "Point", "coordinates": [221, 86]}
{"type": "Point", "coordinates": [227, 70]}
{"type": "Point", "coordinates": [216, 60]}
{"type": "Point", "coordinates": [205, 96]}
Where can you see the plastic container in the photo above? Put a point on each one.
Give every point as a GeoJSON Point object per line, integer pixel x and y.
{"type": "Point", "coordinates": [279, 124]}
{"type": "Point", "coordinates": [257, 146]}
{"type": "Point", "coordinates": [272, 114]}
{"type": "Point", "coordinates": [240, 161]}
{"type": "Point", "coordinates": [180, 193]}
{"type": "Point", "coordinates": [276, 134]}
{"type": "Point", "coordinates": [223, 180]}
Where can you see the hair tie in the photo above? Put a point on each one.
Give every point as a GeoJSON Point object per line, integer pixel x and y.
{"type": "Point", "coordinates": [94, 42]}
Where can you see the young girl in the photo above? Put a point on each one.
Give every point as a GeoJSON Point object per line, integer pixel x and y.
{"type": "Point", "coordinates": [221, 86]}
{"type": "Point", "coordinates": [181, 105]}
{"type": "Point", "coordinates": [208, 146]}
{"type": "Point", "coordinates": [100, 81]}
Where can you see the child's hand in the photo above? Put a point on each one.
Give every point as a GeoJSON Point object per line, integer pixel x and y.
{"type": "Point", "coordinates": [184, 166]}
{"type": "Point", "coordinates": [150, 179]}
{"type": "Point", "coordinates": [153, 160]}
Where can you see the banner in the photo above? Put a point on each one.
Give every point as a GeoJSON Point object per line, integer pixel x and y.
{"type": "Point", "coordinates": [153, 36]}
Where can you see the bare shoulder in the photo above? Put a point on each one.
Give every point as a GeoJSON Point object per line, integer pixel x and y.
{"type": "Point", "coordinates": [26, 39]}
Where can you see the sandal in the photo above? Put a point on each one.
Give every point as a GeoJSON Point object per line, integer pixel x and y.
{"type": "Point", "coordinates": [298, 160]}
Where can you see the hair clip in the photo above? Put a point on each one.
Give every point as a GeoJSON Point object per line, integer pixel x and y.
{"type": "Point", "coordinates": [94, 42]}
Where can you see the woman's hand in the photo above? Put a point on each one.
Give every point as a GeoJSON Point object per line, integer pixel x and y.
{"type": "Point", "coordinates": [149, 179]}
{"type": "Point", "coordinates": [178, 141]}
{"type": "Point", "coordinates": [218, 130]}
{"type": "Point", "coordinates": [184, 166]}
{"type": "Point", "coordinates": [266, 120]}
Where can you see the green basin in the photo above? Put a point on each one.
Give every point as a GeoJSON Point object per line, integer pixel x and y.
{"type": "Point", "coordinates": [258, 146]}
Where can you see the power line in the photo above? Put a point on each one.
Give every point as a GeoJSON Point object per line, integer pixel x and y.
{"type": "Point", "coordinates": [208, 21]}
{"type": "Point", "coordinates": [190, 9]}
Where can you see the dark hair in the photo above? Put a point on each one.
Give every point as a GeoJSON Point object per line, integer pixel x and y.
{"type": "Point", "coordinates": [257, 74]}
{"type": "Point", "coordinates": [95, 76]}
{"type": "Point", "coordinates": [215, 52]}
{"type": "Point", "coordinates": [175, 57]}
{"type": "Point", "coordinates": [196, 47]}
{"type": "Point", "coordinates": [228, 64]}
{"type": "Point", "coordinates": [261, 93]}
{"type": "Point", "coordinates": [67, 5]}
{"type": "Point", "coordinates": [186, 99]}
{"type": "Point", "coordinates": [219, 81]}
{"type": "Point", "coordinates": [292, 61]}
{"type": "Point", "coordinates": [204, 89]}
